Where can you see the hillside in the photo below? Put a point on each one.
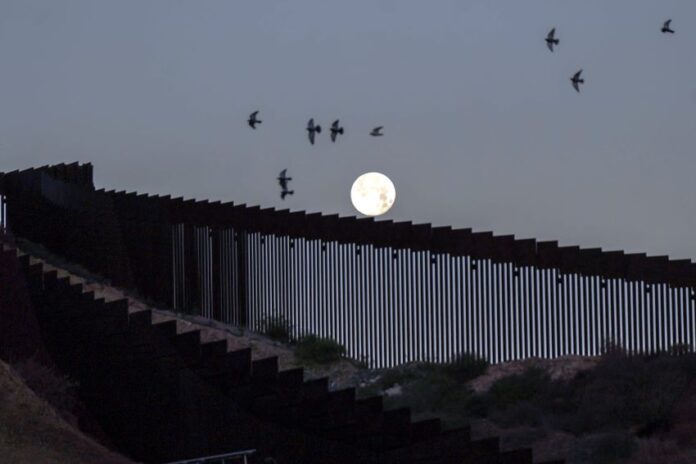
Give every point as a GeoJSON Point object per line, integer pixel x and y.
{"type": "Point", "coordinates": [610, 409]}
{"type": "Point", "coordinates": [342, 374]}
{"type": "Point", "coordinates": [31, 431]}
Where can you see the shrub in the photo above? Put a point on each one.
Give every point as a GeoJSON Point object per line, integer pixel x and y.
{"type": "Point", "coordinates": [466, 367]}
{"type": "Point", "coordinates": [398, 375]}
{"type": "Point", "coordinates": [476, 406]}
{"type": "Point", "coordinates": [522, 413]}
{"type": "Point", "coordinates": [314, 350]}
{"type": "Point", "coordinates": [509, 390]}
{"type": "Point", "coordinates": [276, 328]}
{"type": "Point", "coordinates": [459, 371]}
{"type": "Point", "coordinates": [431, 392]}
{"type": "Point", "coordinates": [427, 389]}
{"type": "Point", "coordinates": [630, 391]}
{"type": "Point", "coordinates": [441, 389]}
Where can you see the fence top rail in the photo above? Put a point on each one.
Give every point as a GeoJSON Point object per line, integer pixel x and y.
{"type": "Point", "coordinates": [359, 231]}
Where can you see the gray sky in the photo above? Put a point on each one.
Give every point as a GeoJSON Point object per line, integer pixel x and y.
{"type": "Point", "coordinates": [482, 126]}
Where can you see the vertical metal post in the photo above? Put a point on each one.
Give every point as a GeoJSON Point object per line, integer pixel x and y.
{"type": "Point", "coordinates": [241, 249]}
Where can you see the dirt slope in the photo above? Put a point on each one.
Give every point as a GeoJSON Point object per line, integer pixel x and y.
{"type": "Point", "coordinates": [342, 374]}
{"type": "Point", "coordinates": [31, 431]}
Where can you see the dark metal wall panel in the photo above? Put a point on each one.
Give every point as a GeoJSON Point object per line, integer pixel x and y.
{"type": "Point", "coordinates": [3, 212]}
{"type": "Point", "coordinates": [537, 312]}
{"type": "Point", "coordinates": [392, 292]}
{"type": "Point", "coordinates": [191, 263]}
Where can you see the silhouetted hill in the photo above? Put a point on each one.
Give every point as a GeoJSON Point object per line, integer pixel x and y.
{"type": "Point", "coordinates": [32, 431]}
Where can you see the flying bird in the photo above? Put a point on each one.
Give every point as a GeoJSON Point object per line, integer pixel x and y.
{"type": "Point", "coordinates": [377, 131]}
{"type": "Point", "coordinates": [283, 180]}
{"type": "Point", "coordinates": [312, 130]}
{"type": "Point", "coordinates": [335, 130]}
{"type": "Point", "coordinates": [576, 80]}
{"type": "Point", "coordinates": [665, 27]}
{"type": "Point", "coordinates": [551, 39]}
{"type": "Point", "coordinates": [253, 121]}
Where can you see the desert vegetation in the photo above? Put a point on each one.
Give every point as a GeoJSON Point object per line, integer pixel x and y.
{"type": "Point", "coordinates": [314, 350]}
{"type": "Point", "coordinates": [309, 350]}
{"type": "Point", "coordinates": [276, 328]}
{"type": "Point", "coordinates": [624, 409]}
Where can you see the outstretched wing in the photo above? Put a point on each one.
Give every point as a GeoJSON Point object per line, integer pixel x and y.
{"type": "Point", "coordinates": [576, 76]}
{"type": "Point", "coordinates": [377, 130]}
{"type": "Point", "coordinates": [310, 125]}
{"type": "Point", "coordinates": [252, 120]}
{"type": "Point", "coordinates": [667, 24]}
{"type": "Point", "coordinates": [311, 137]}
{"type": "Point", "coordinates": [575, 86]}
{"type": "Point", "coordinates": [552, 34]}
{"type": "Point", "coordinates": [335, 124]}
{"type": "Point", "coordinates": [549, 45]}
{"type": "Point", "coordinates": [282, 179]}
{"type": "Point", "coordinates": [334, 132]}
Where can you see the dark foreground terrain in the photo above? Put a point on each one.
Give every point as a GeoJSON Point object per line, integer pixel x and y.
{"type": "Point", "coordinates": [612, 409]}
{"type": "Point", "coordinates": [32, 430]}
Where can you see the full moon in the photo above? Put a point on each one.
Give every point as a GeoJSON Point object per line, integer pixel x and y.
{"type": "Point", "coordinates": [372, 194]}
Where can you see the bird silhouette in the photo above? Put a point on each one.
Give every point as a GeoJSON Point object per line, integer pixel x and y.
{"type": "Point", "coordinates": [253, 121]}
{"type": "Point", "coordinates": [377, 131]}
{"type": "Point", "coordinates": [666, 27]}
{"type": "Point", "coordinates": [576, 81]}
{"type": "Point", "coordinates": [283, 180]}
{"type": "Point", "coordinates": [312, 130]}
{"type": "Point", "coordinates": [551, 39]}
{"type": "Point", "coordinates": [335, 130]}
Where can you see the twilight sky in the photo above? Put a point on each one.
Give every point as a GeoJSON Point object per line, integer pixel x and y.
{"type": "Point", "coordinates": [482, 126]}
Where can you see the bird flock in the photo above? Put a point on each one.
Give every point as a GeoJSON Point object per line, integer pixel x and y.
{"type": "Point", "coordinates": [336, 129]}
{"type": "Point", "coordinates": [312, 131]}
{"type": "Point", "coordinates": [576, 80]}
